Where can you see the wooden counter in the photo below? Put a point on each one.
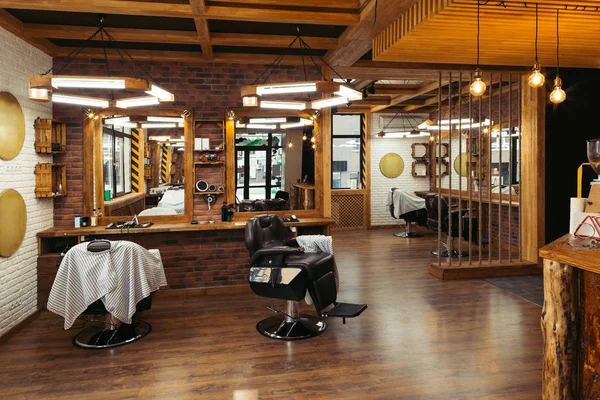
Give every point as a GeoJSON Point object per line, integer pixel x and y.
{"type": "Point", "coordinates": [203, 256]}
{"type": "Point", "coordinates": [464, 196]}
{"type": "Point", "coordinates": [176, 227]}
{"type": "Point", "coordinates": [570, 321]}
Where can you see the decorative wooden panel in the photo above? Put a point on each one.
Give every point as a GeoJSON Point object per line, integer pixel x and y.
{"type": "Point", "coordinates": [348, 209]}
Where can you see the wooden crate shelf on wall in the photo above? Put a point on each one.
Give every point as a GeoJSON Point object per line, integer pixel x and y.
{"type": "Point", "coordinates": [50, 136]}
{"type": "Point", "coordinates": [50, 180]}
{"type": "Point", "coordinates": [416, 173]}
{"type": "Point", "coordinates": [423, 154]}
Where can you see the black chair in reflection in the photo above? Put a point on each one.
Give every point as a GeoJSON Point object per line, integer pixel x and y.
{"type": "Point", "coordinates": [414, 216]}
{"type": "Point", "coordinates": [441, 217]}
{"type": "Point", "coordinates": [280, 269]}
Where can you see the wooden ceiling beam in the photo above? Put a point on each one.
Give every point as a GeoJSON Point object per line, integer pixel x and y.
{"type": "Point", "coordinates": [255, 40]}
{"type": "Point", "coordinates": [146, 8]}
{"type": "Point", "coordinates": [409, 89]}
{"type": "Point", "coordinates": [123, 7]}
{"type": "Point", "coordinates": [331, 4]}
{"type": "Point", "coordinates": [199, 9]}
{"type": "Point", "coordinates": [17, 28]}
{"type": "Point", "coordinates": [282, 16]}
{"type": "Point", "coordinates": [357, 40]}
{"type": "Point", "coordinates": [426, 87]}
{"type": "Point", "coordinates": [183, 56]}
{"type": "Point", "coordinates": [175, 37]}
{"type": "Point", "coordinates": [120, 34]}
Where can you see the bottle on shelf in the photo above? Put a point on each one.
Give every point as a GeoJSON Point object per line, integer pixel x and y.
{"type": "Point", "coordinates": [94, 219]}
{"type": "Point", "coordinates": [224, 212]}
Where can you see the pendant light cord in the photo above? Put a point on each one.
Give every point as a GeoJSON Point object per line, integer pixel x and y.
{"type": "Point", "coordinates": [536, 33]}
{"type": "Point", "coordinates": [557, 45]}
{"type": "Point", "coordinates": [478, 16]}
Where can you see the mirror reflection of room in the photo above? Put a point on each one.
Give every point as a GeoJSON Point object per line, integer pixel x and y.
{"type": "Point", "coordinates": [142, 166]}
{"type": "Point", "coordinates": [274, 164]}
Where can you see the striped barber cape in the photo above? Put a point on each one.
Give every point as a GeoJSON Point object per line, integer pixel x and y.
{"type": "Point", "coordinates": [120, 277]}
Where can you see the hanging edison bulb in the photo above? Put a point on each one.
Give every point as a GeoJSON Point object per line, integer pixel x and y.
{"type": "Point", "coordinates": [478, 86]}
{"type": "Point", "coordinates": [304, 137]}
{"type": "Point", "coordinates": [558, 95]}
{"type": "Point", "coordinates": [536, 79]}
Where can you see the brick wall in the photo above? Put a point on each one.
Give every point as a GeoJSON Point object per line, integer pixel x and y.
{"type": "Point", "coordinates": [199, 259]}
{"type": "Point", "coordinates": [202, 259]}
{"type": "Point", "coordinates": [207, 88]}
{"type": "Point", "coordinates": [381, 185]}
{"type": "Point", "coordinates": [18, 287]}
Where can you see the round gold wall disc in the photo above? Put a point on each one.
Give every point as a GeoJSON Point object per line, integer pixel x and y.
{"type": "Point", "coordinates": [12, 126]}
{"type": "Point", "coordinates": [461, 164]}
{"type": "Point", "coordinates": [391, 165]}
{"type": "Point", "coordinates": [13, 222]}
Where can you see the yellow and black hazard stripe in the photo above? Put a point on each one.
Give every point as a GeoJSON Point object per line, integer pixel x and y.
{"type": "Point", "coordinates": [165, 163]}
{"type": "Point", "coordinates": [363, 151]}
{"type": "Point", "coordinates": [135, 161]}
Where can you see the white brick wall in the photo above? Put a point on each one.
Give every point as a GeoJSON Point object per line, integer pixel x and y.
{"type": "Point", "coordinates": [18, 273]}
{"type": "Point", "coordinates": [380, 185]}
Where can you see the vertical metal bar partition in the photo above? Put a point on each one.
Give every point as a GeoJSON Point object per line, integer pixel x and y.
{"type": "Point", "coordinates": [448, 168]}
{"type": "Point", "coordinates": [500, 168]}
{"type": "Point", "coordinates": [482, 170]}
{"type": "Point", "coordinates": [437, 164]}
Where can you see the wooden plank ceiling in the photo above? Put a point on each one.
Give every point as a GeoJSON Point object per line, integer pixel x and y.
{"type": "Point", "coordinates": [241, 31]}
{"type": "Point", "coordinates": [445, 31]}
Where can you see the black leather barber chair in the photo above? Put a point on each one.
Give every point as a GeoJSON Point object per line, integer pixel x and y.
{"type": "Point", "coordinates": [112, 333]}
{"type": "Point", "coordinates": [280, 269]}
{"type": "Point", "coordinates": [439, 215]}
{"type": "Point", "coordinates": [418, 217]}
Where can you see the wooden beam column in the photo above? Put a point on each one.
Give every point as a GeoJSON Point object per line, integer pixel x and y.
{"type": "Point", "coordinates": [532, 165]}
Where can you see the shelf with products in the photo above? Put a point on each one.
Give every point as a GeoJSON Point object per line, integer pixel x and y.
{"type": "Point", "coordinates": [209, 135]}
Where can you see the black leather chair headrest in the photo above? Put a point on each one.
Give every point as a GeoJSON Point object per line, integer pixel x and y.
{"type": "Point", "coordinates": [264, 231]}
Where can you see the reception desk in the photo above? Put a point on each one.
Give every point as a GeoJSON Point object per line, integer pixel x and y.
{"type": "Point", "coordinates": [202, 256]}
{"type": "Point", "coordinates": [571, 321]}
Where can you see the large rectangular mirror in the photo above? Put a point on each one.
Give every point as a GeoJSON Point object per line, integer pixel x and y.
{"type": "Point", "coordinates": [275, 162]}
{"type": "Point", "coordinates": [139, 162]}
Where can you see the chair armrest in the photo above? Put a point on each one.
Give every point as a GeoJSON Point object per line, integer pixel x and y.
{"type": "Point", "coordinates": [275, 250]}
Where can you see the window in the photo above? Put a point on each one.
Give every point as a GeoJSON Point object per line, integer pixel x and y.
{"type": "Point", "coordinates": [346, 152]}
{"type": "Point", "coordinates": [116, 149]}
{"type": "Point", "coordinates": [259, 172]}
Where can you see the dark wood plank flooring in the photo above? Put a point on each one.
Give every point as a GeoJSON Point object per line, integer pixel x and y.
{"type": "Point", "coordinates": [420, 338]}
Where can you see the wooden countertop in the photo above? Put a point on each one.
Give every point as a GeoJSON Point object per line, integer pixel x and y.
{"type": "Point", "coordinates": [165, 228]}
{"type": "Point", "coordinates": [578, 257]}
{"type": "Point", "coordinates": [464, 195]}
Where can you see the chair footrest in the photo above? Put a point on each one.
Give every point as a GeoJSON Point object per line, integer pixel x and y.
{"type": "Point", "coordinates": [346, 310]}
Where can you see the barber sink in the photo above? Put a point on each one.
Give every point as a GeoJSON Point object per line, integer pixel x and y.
{"type": "Point", "coordinates": [128, 225]}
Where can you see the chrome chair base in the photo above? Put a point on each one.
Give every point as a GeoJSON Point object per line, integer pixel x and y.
{"type": "Point", "coordinates": [283, 328]}
{"type": "Point", "coordinates": [407, 235]}
{"type": "Point", "coordinates": [95, 337]}
{"type": "Point", "coordinates": [445, 253]}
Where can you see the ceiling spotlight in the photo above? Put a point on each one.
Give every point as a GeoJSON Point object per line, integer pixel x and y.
{"type": "Point", "coordinates": [381, 134]}
{"type": "Point", "coordinates": [348, 104]}
{"type": "Point", "coordinates": [364, 94]}
{"type": "Point", "coordinates": [371, 88]}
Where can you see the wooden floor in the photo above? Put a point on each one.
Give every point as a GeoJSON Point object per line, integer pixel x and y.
{"type": "Point", "coordinates": [420, 338]}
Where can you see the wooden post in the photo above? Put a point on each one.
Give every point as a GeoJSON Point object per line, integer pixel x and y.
{"type": "Point", "coordinates": [532, 185]}
{"type": "Point", "coordinates": [559, 329]}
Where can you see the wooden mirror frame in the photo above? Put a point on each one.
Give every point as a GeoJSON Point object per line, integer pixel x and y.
{"type": "Point", "coordinates": [230, 166]}
{"type": "Point", "coordinates": [92, 150]}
